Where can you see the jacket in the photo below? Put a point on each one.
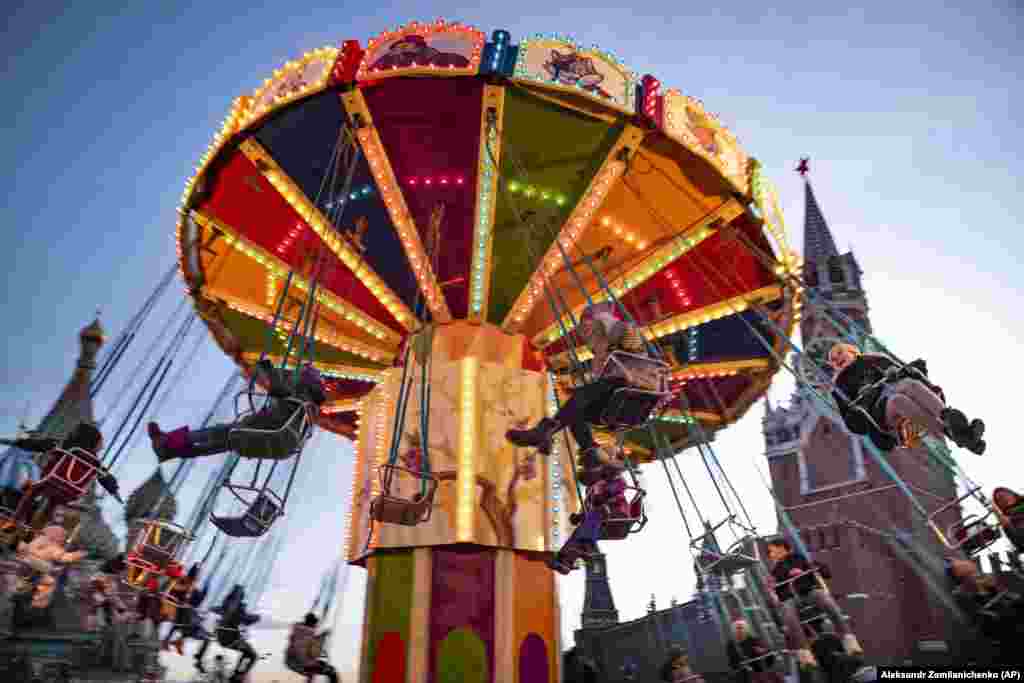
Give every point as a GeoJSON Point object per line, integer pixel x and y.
{"type": "Point", "coordinates": [304, 646]}
{"type": "Point", "coordinates": [864, 413]}
{"type": "Point", "coordinates": [804, 585]}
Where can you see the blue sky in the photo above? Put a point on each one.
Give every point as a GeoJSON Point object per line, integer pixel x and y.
{"type": "Point", "coordinates": [911, 112]}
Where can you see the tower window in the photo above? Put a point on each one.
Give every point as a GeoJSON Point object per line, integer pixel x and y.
{"type": "Point", "coordinates": [835, 271]}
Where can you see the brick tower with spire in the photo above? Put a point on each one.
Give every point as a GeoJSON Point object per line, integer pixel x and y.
{"type": "Point", "coordinates": [851, 514]}
{"type": "Point", "coordinates": [598, 606]}
{"type": "Point", "coordinates": [74, 406]}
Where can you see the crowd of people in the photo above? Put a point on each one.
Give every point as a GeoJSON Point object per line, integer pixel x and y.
{"type": "Point", "coordinates": [162, 593]}
{"type": "Point", "coordinates": [876, 397]}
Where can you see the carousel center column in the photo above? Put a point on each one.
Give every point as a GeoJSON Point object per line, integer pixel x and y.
{"type": "Point", "coordinates": [465, 596]}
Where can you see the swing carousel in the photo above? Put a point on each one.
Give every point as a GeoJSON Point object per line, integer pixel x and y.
{"type": "Point", "coordinates": [426, 217]}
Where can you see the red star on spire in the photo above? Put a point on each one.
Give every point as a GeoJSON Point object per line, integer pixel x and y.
{"type": "Point", "coordinates": [804, 167]}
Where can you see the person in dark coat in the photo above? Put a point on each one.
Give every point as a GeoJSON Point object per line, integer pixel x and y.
{"type": "Point", "coordinates": [81, 469]}
{"type": "Point", "coordinates": [603, 330]}
{"type": "Point", "coordinates": [278, 412]}
{"type": "Point", "coordinates": [794, 578]}
{"type": "Point", "coordinates": [230, 634]}
{"type": "Point", "coordinates": [879, 398]}
{"type": "Point", "coordinates": [997, 613]}
{"type": "Point", "coordinates": [750, 657]}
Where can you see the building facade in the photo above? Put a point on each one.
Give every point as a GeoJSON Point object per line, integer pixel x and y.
{"type": "Point", "coordinates": [68, 644]}
{"type": "Point", "coordinates": [832, 488]}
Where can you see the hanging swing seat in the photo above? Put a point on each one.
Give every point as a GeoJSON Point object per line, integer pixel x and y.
{"type": "Point", "coordinates": [645, 393]}
{"type": "Point", "coordinates": [735, 559]}
{"type": "Point", "coordinates": [974, 533]}
{"type": "Point", "coordinates": [618, 524]}
{"type": "Point", "coordinates": [387, 508]}
{"type": "Point", "coordinates": [263, 507]}
{"type": "Point", "coordinates": [68, 474]}
{"type": "Point", "coordinates": [154, 550]}
{"type": "Point", "coordinates": [259, 434]}
{"type": "Point", "coordinates": [811, 614]}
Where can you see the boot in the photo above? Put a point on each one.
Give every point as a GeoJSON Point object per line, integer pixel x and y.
{"type": "Point", "coordinates": [963, 433]}
{"type": "Point", "coordinates": [539, 437]}
{"type": "Point", "coordinates": [167, 445]}
{"type": "Point", "coordinates": [851, 645]}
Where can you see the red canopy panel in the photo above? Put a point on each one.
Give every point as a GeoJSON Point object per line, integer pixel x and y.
{"type": "Point", "coordinates": [339, 389]}
{"type": "Point", "coordinates": [340, 423]}
{"type": "Point", "coordinates": [430, 129]}
{"type": "Point", "coordinates": [718, 269]}
{"type": "Point", "coordinates": [700, 397]}
{"type": "Point", "coordinates": [245, 201]}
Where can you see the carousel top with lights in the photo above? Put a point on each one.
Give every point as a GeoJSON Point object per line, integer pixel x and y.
{"type": "Point", "coordinates": [352, 151]}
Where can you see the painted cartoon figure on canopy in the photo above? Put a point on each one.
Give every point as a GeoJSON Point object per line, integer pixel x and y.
{"type": "Point", "coordinates": [413, 50]}
{"type": "Point", "coordinates": [603, 331]}
{"type": "Point", "coordinates": [573, 68]}
{"type": "Point", "coordinates": [70, 469]}
{"type": "Point", "coordinates": [703, 130]}
{"type": "Point", "coordinates": [276, 414]}
{"type": "Point", "coordinates": [880, 398]}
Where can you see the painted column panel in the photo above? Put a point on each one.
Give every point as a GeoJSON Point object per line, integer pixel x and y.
{"type": "Point", "coordinates": [462, 597]}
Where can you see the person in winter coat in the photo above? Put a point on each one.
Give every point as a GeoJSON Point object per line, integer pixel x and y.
{"type": "Point", "coordinates": [604, 332]}
{"type": "Point", "coordinates": [676, 669]}
{"type": "Point", "coordinates": [879, 398]}
{"type": "Point", "coordinates": [182, 595]}
{"type": "Point", "coordinates": [230, 634]}
{"type": "Point", "coordinates": [279, 411]}
{"type": "Point", "coordinates": [305, 647]}
{"type": "Point", "coordinates": [794, 576]}
{"type": "Point", "coordinates": [750, 657]}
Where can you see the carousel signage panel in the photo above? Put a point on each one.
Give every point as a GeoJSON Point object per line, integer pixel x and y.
{"type": "Point", "coordinates": [560, 64]}
{"type": "Point", "coordinates": [685, 120]}
{"type": "Point", "coordinates": [296, 79]}
{"type": "Point", "coordinates": [436, 49]}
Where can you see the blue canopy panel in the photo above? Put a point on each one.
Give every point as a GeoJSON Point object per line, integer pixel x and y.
{"type": "Point", "coordinates": [302, 139]}
{"type": "Point", "coordinates": [725, 339]}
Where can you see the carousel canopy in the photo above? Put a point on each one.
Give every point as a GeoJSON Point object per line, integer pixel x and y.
{"type": "Point", "coordinates": [352, 150]}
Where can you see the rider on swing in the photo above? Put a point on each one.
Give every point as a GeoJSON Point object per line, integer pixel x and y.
{"type": "Point", "coordinates": [186, 595]}
{"type": "Point", "coordinates": [234, 618]}
{"type": "Point", "coordinates": [87, 439]}
{"type": "Point", "coordinates": [606, 498]}
{"type": "Point", "coordinates": [186, 443]}
{"type": "Point", "coordinates": [878, 397]}
{"type": "Point", "coordinates": [604, 332]}
{"type": "Point", "coordinates": [304, 651]}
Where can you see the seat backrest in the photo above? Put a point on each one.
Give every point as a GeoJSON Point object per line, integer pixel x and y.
{"type": "Point", "coordinates": [640, 371]}
{"type": "Point", "coordinates": [264, 508]}
{"type": "Point", "coordinates": [72, 467]}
